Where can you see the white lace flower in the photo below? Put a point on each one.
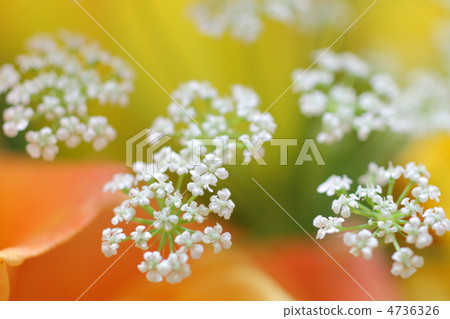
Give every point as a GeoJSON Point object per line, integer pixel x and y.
{"type": "Point", "coordinates": [344, 204]}
{"type": "Point", "coordinates": [99, 132]}
{"type": "Point", "coordinates": [423, 192]}
{"type": "Point", "coordinates": [437, 219]}
{"type": "Point", "coordinates": [141, 196]}
{"type": "Point", "coordinates": [59, 76]}
{"type": "Point", "coordinates": [410, 207]}
{"type": "Point", "coordinates": [165, 219]}
{"type": "Point", "coordinates": [363, 243]}
{"type": "Point", "coordinates": [415, 172]}
{"type": "Point", "coordinates": [194, 212]}
{"type": "Point", "coordinates": [162, 188]}
{"type": "Point", "coordinates": [111, 238]}
{"type": "Point", "coordinates": [334, 184]}
{"type": "Point", "coordinates": [8, 77]}
{"type": "Point", "coordinates": [174, 268]}
{"type": "Point", "coordinates": [124, 212]}
{"type": "Point", "coordinates": [51, 107]}
{"type": "Point", "coordinates": [221, 204]}
{"type": "Point", "coordinates": [393, 172]}
{"type": "Point", "coordinates": [386, 230]}
{"type": "Point", "coordinates": [175, 199]}
{"type": "Point", "coordinates": [119, 182]}
{"type": "Point", "coordinates": [70, 131]}
{"type": "Point", "coordinates": [375, 176]}
{"type": "Point", "coordinates": [210, 170]}
{"type": "Point", "coordinates": [42, 144]}
{"type": "Point", "coordinates": [149, 266]}
{"type": "Point", "coordinates": [215, 237]}
{"type": "Point", "coordinates": [370, 191]}
{"type": "Point", "coordinates": [197, 186]}
{"type": "Point", "coordinates": [417, 234]}
{"type": "Point", "coordinates": [405, 263]}
{"type": "Point", "coordinates": [385, 206]}
{"type": "Point", "coordinates": [327, 225]}
{"type": "Point", "coordinates": [189, 242]}
{"type": "Point", "coordinates": [16, 119]}
{"type": "Point", "coordinates": [141, 237]}
{"type": "Point", "coordinates": [313, 103]}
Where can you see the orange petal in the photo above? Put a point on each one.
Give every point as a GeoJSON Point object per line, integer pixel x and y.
{"type": "Point", "coordinates": [4, 282]}
{"type": "Point", "coordinates": [44, 204]}
{"type": "Point", "coordinates": [306, 272]}
{"type": "Point", "coordinates": [67, 271]}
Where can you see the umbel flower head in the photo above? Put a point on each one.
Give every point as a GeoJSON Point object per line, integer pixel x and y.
{"type": "Point", "coordinates": [393, 220]}
{"type": "Point", "coordinates": [203, 120]}
{"type": "Point", "coordinates": [244, 19]}
{"type": "Point", "coordinates": [169, 202]}
{"type": "Point", "coordinates": [51, 88]}
{"type": "Point", "coordinates": [346, 94]}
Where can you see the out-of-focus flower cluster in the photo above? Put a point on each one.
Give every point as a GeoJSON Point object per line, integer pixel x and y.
{"type": "Point", "coordinates": [176, 190]}
{"type": "Point", "coordinates": [346, 94]}
{"type": "Point", "coordinates": [202, 119]}
{"type": "Point", "coordinates": [51, 88]}
{"type": "Point", "coordinates": [244, 18]}
{"type": "Point", "coordinates": [397, 220]}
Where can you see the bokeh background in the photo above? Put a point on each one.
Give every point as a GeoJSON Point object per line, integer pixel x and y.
{"type": "Point", "coordinates": [395, 36]}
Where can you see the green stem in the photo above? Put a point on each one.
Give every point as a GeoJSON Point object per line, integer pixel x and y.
{"type": "Point", "coordinates": [365, 226]}
{"type": "Point", "coordinates": [180, 182]}
{"type": "Point", "coordinates": [391, 186]}
{"type": "Point", "coordinates": [143, 221]}
{"type": "Point", "coordinates": [171, 242]}
{"type": "Point", "coordinates": [405, 192]}
{"type": "Point", "coordinates": [163, 241]}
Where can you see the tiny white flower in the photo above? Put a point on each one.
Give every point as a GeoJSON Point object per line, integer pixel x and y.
{"type": "Point", "coordinates": [163, 125]}
{"type": "Point", "coordinates": [344, 204]}
{"type": "Point", "coordinates": [417, 234]}
{"type": "Point", "coordinates": [405, 263]}
{"type": "Point", "coordinates": [174, 199]}
{"type": "Point", "coordinates": [386, 230]}
{"type": "Point", "coordinates": [327, 225]}
{"type": "Point", "coordinates": [221, 204]}
{"type": "Point", "coordinates": [70, 131]}
{"type": "Point", "coordinates": [141, 196]}
{"type": "Point", "coordinates": [386, 206]}
{"type": "Point", "coordinates": [334, 183]}
{"type": "Point", "coordinates": [393, 172]}
{"type": "Point", "coordinates": [215, 237]}
{"type": "Point", "coordinates": [437, 219]}
{"type": "Point", "coordinates": [210, 170]}
{"type": "Point", "coordinates": [410, 207]}
{"type": "Point", "coordinates": [194, 212]}
{"type": "Point", "coordinates": [149, 266]}
{"type": "Point", "coordinates": [370, 191]}
{"type": "Point", "coordinates": [161, 187]}
{"type": "Point", "coordinates": [223, 105]}
{"type": "Point", "coordinates": [174, 268]}
{"type": "Point", "coordinates": [42, 143]}
{"type": "Point", "coordinates": [16, 119]}
{"type": "Point", "coordinates": [374, 176]}
{"type": "Point", "coordinates": [363, 243]}
{"type": "Point", "coordinates": [165, 219]}
{"type": "Point", "coordinates": [141, 237]}
{"type": "Point", "coordinates": [124, 212]}
{"type": "Point", "coordinates": [8, 77]}
{"type": "Point", "coordinates": [415, 172]}
{"type": "Point", "coordinates": [99, 132]}
{"type": "Point", "coordinates": [423, 192]}
{"type": "Point", "coordinates": [111, 238]}
{"type": "Point", "coordinates": [119, 182]}
{"type": "Point", "coordinates": [246, 100]}
{"type": "Point", "coordinates": [189, 242]}
{"type": "Point", "coordinates": [51, 107]}
{"type": "Point", "coordinates": [313, 103]}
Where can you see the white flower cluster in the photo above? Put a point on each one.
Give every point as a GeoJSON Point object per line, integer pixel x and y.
{"type": "Point", "coordinates": [244, 18]}
{"type": "Point", "coordinates": [53, 83]}
{"type": "Point", "coordinates": [344, 92]}
{"type": "Point", "coordinates": [202, 119]}
{"type": "Point", "coordinates": [171, 212]}
{"type": "Point", "coordinates": [423, 107]}
{"type": "Point", "coordinates": [387, 217]}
